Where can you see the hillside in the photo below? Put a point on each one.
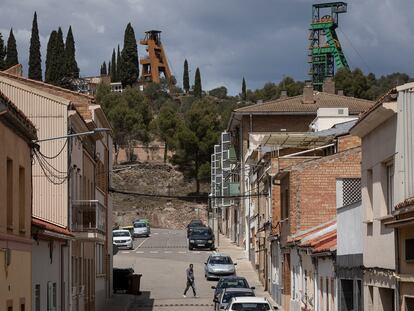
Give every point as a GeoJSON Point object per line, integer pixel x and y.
{"type": "Point", "coordinates": [154, 179]}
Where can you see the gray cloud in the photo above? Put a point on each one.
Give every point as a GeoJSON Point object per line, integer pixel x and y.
{"type": "Point", "coordinates": [261, 40]}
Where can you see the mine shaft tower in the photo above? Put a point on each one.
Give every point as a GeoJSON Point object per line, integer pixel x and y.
{"type": "Point", "coordinates": [325, 51]}
{"type": "Point", "coordinates": [155, 64]}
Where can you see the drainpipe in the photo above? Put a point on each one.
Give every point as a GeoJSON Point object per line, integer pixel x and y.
{"type": "Point", "coordinates": [397, 269]}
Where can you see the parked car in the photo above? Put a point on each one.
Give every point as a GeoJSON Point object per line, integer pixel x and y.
{"type": "Point", "coordinates": [250, 304]}
{"type": "Point", "coordinates": [230, 282]}
{"type": "Point", "coordinates": [141, 220]}
{"type": "Point", "coordinates": [141, 229]}
{"type": "Point", "coordinates": [122, 238]}
{"type": "Point", "coordinates": [228, 293]}
{"type": "Point", "coordinates": [219, 265]}
{"type": "Point", "coordinates": [129, 228]}
{"type": "Point", "coordinates": [194, 223]}
{"type": "Point", "coordinates": [201, 237]}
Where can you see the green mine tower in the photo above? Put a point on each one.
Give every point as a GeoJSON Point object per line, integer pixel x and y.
{"type": "Point", "coordinates": [325, 51]}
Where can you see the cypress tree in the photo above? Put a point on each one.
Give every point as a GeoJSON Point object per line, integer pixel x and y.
{"type": "Point", "coordinates": [244, 92]}
{"type": "Point", "coordinates": [109, 68]}
{"type": "Point", "coordinates": [186, 78]}
{"type": "Point", "coordinates": [72, 69]}
{"type": "Point", "coordinates": [2, 53]}
{"type": "Point", "coordinates": [129, 66]}
{"type": "Point", "coordinates": [112, 71]}
{"type": "Point", "coordinates": [197, 84]}
{"type": "Point", "coordinates": [51, 72]}
{"type": "Point", "coordinates": [11, 52]}
{"type": "Point", "coordinates": [35, 62]}
{"type": "Point", "coordinates": [118, 65]}
{"type": "Point", "coordinates": [103, 69]}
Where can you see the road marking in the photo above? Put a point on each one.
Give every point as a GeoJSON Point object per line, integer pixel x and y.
{"type": "Point", "coordinates": [167, 252]}
{"type": "Point", "coordinates": [139, 252]}
{"type": "Point", "coordinates": [141, 244]}
{"type": "Point", "coordinates": [182, 252]}
{"type": "Point", "coordinates": [155, 233]}
{"type": "Point", "coordinates": [125, 252]}
{"type": "Point", "coordinates": [154, 252]}
{"type": "Point", "coordinates": [196, 252]}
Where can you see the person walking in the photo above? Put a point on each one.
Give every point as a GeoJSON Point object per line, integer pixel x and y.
{"type": "Point", "coordinates": [190, 280]}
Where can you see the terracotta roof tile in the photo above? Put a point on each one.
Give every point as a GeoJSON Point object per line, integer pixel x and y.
{"type": "Point", "coordinates": [322, 100]}
{"type": "Point", "coordinates": [51, 227]}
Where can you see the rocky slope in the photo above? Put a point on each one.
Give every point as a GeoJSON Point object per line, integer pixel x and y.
{"type": "Point", "coordinates": [154, 179]}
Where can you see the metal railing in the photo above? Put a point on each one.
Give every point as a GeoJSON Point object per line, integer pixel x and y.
{"type": "Point", "coordinates": [88, 216]}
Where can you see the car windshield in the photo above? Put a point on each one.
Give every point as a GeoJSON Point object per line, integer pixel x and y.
{"type": "Point", "coordinates": [140, 225]}
{"type": "Point", "coordinates": [233, 283]}
{"type": "Point", "coordinates": [200, 231]}
{"type": "Point", "coordinates": [251, 306]}
{"type": "Point", "coordinates": [121, 233]}
{"type": "Point", "coordinates": [228, 295]}
{"type": "Point", "coordinates": [220, 261]}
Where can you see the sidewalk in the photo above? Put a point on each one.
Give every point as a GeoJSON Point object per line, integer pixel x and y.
{"type": "Point", "coordinates": [119, 302]}
{"type": "Point", "coordinates": [244, 267]}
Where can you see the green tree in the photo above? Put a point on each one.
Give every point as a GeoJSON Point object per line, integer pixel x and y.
{"type": "Point", "coordinates": [52, 70]}
{"type": "Point", "coordinates": [118, 65]}
{"type": "Point", "coordinates": [2, 53]}
{"type": "Point", "coordinates": [109, 68]}
{"type": "Point", "coordinates": [197, 84]}
{"type": "Point", "coordinates": [35, 62]}
{"type": "Point", "coordinates": [219, 92]}
{"type": "Point", "coordinates": [112, 71]}
{"type": "Point", "coordinates": [129, 67]}
{"type": "Point", "coordinates": [168, 123]}
{"type": "Point", "coordinates": [11, 52]}
{"type": "Point", "coordinates": [103, 69]}
{"type": "Point", "coordinates": [60, 57]}
{"type": "Point", "coordinates": [195, 140]}
{"type": "Point", "coordinates": [71, 66]}
{"type": "Point", "coordinates": [186, 78]}
{"type": "Point", "coordinates": [243, 90]}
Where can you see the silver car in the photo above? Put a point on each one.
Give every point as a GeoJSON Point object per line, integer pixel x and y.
{"type": "Point", "coordinates": [141, 229]}
{"type": "Point", "coordinates": [219, 265]}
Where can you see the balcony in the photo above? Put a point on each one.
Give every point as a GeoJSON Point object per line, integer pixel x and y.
{"type": "Point", "coordinates": [89, 219]}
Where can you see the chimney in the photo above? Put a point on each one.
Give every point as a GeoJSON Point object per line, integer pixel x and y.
{"type": "Point", "coordinates": [308, 93]}
{"type": "Point", "coordinates": [283, 94]}
{"type": "Point", "coordinates": [341, 92]}
{"type": "Point", "coordinates": [328, 86]}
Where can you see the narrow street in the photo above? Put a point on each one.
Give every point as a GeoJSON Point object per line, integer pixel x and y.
{"type": "Point", "coordinates": [162, 260]}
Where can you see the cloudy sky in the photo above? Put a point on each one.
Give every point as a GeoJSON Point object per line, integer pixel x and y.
{"type": "Point", "coordinates": [262, 40]}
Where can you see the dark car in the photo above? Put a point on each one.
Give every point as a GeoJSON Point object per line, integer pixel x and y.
{"type": "Point", "coordinates": [229, 282]}
{"type": "Point", "coordinates": [201, 237]}
{"type": "Point", "coordinates": [228, 294]}
{"type": "Point", "coordinates": [194, 223]}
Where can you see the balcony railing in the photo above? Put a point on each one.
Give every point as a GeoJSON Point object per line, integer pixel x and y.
{"type": "Point", "coordinates": [88, 216]}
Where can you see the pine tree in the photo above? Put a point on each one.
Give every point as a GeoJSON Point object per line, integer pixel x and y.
{"type": "Point", "coordinates": [186, 78]}
{"type": "Point", "coordinates": [244, 92]}
{"type": "Point", "coordinates": [72, 69]}
{"type": "Point", "coordinates": [197, 84]}
{"type": "Point", "coordinates": [2, 53]}
{"type": "Point", "coordinates": [103, 69]}
{"type": "Point", "coordinates": [129, 72]}
{"type": "Point", "coordinates": [112, 71]}
{"type": "Point", "coordinates": [51, 72]}
{"type": "Point", "coordinates": [11, 52]}
{"type": "Point", "coordinates": [35, 62]}
{"type": "Point", "coordinates": [118, 65]}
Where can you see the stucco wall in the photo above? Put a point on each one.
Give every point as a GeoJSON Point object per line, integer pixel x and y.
{"type": "Point", "coordinates": [376, 235]}
{"type": "Point", "coordinates": [349, 229]}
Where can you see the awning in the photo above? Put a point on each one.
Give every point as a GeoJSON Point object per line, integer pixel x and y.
{"type": "Point", "coordinates": [275, 141]}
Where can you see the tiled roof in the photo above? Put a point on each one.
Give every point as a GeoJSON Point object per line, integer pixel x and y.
{"type": "Point", "coordinates": [80, 101]}
{"type": "Point", "coordinates": [320, 239]}
{"type": "Point", "coordinates": [50, 227]}
{"type": "Point", "coordinates": [322, 100]}
{"type": "Point", "coordinates": [23, 120]}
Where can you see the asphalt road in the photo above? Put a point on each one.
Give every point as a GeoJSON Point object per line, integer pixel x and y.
{"type": "Point", "coordinates": [162, 260]}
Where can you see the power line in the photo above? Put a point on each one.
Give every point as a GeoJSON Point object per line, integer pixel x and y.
{"type": "Point", "coordinates": [356, 51]}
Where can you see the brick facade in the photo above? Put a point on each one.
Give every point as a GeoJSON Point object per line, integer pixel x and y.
{"type": "Point", "coordinates": [305, 183]}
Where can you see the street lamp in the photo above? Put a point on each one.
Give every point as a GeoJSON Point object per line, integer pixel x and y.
{"type": "Point", "coordinates": [94, 131]}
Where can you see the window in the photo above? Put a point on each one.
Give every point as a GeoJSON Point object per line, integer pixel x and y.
{"type": "Point", "coordinates": [409, 303]}
{"type": "Point", "coordinates": [370, 298]}
{"type": "Point", "coordinates": [9, 304]}
{"type": "Point", "coordinates": [51, 296]}
{"type": "Point", "coordinates": [22, 200]}
{"type": "Point", "coordinates": [37, 297]}
{"type": "Point", "coordinates": [370, 181]}
{"type": "Point", "coordinates": [409, 249]}
{"type": "Point", "coordinates": [390, 186]}
{"type": "Point", "coordinates": [9, 193]}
